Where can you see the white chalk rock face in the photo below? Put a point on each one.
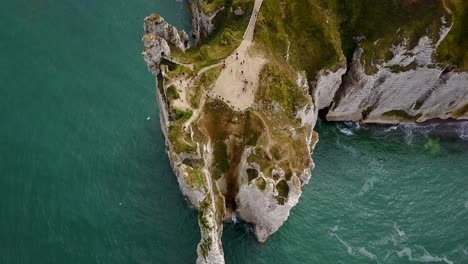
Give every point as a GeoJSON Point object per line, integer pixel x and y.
{"type": "Point", "coordinates": [328, 83]}
{"type": "Point", "coordinates": [411, 87]}
{"type": "Point", "coordinates": [266, 202]}
{"type": "Point", "coordinates": [202, 24]}
{"type": "Point", "coordinates": [156, 25]}
{"type": "Point", "coordinates": [154, 48]}
{"type": "Point", "coordinates": [261, 207]}
{"type": "Point", "coordinates": [210, 249]}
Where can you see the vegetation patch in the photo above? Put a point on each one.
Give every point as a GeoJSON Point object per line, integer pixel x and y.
{"type": "Point", "coordinates": [283, 191]}
{"type": "Point", "coordinates": [179, 140]}
{"type": "Point", "coordinates": [385, 24]}
{"type": "Point", "coordinates": [462, 111]}
{"type": "Point", "coordinates": [221, 163]}
{"type": "Point", "coordinates": [202, 84]}
{"type": "Point", "coordinates": [275, 86]}
{"type": "Point", "coordinates": [252, 174]}
{"type": "Point", "coordinates": [402, 115]}
{"type": "Point", "coordinates": [226, 130]}
{"type": "Point", "coordinates": [224, 40]}
{"type": "Point", "coordinates": [307, 27]}
{"type": "Point", "coordinates": [399, 68]}
{"type": "Point", "coordinates": [284, 151]}
{"type": "Point", "coordinates": [194, 178]}
{"type": "Point", "coordinates": [177, 70]}
{"type": "Point", "coordinates": [171, 93]}
{"type": "Point", "coordinates": [261, 184]}
{"type": "Point", "coordinates": [210, 6]}
{"type": "Point", "coordinates": [454, 48]}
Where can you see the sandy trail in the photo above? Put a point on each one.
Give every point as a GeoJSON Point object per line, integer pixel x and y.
{"type": "Point", "coordinates": [239, 79]}
{"type": "Point", "coordinates": [182, 84]}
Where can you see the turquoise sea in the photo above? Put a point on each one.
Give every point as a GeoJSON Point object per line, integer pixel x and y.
{"type": "Point", "coordinates": [84, 177]}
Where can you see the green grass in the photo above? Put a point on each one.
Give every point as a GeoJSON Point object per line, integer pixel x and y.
{"type": "Point", "coordinates": [383, 23]}
{"type": "Point", "coordinates": [194, 178]}
{"type": "Point", "coordinates": [454, 49]}
{"type": "Point", "coordinates": [172, 93]}
{"type": "Point", "coordinates": [177, 137]}
{"type": "Point", "coordinates": [221, 162]}
{"type": "Point", "coordinates": [252, 174]}
{"type": "Point", "coordinates": [275, 86]}
{"type": "Point", "coordinates": [202, 84]}
{"type": "Point", "coordinates": [283, 192]}
{"type": "Point", "coordinates": [223, 41]}
{"type": "Point", "coordinates": [398, 68]}
{"type": "Point", "coordinates": [314, 43]}
{"type": "Point", "coordinates": [177, 70]}
{"type": "Point", "coordinates": [210, 6]}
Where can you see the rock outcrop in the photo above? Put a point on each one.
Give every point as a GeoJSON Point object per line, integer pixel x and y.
{"type": "Point", "coordinates": [202, 23]}
{"type": "Point", "coordinates": [157, 26]}
{"type": "Point", "coordinates": [154, 48]}
{"type": "Point", "coordinates": [266, 200]}
{"type": "Point", "coordinates": [411, 87]}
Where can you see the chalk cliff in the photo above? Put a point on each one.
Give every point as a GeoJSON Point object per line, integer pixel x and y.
{"type": "Point", "coordinates": [157, 26]}
{"type": "Point", "coordinates": [249, 161]}
{"type": "Point", "coordinates": [202, 19]}
{"type": "Point", "coordinates": [411, 87]}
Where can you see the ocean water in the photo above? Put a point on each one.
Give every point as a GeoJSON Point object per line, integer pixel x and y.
{"type": "Point", "coordinates": [84, 177]}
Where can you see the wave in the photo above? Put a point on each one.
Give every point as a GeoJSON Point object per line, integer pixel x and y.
{"type": "Point", "coordinates": [349, 249]}
{"type": "Point", "coordinates": [425, 257]}
{"type": "Point", "coordinates": [346, 131]}
{"type": "Point", "coordinates": [363, 251]}
{"type": "Point", "coordinates": [444, 128]}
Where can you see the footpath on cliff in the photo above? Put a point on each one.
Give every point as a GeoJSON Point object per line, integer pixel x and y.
{"type": "Point", "coordinates": [239, 77]}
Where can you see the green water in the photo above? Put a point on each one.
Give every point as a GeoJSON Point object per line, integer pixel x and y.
{"type": "Point", "coordinates": [84, 177]}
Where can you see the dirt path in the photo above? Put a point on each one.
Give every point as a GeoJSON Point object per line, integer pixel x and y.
{"type": "Point", "coordinates": [239, 79]}
{"type": "Point", "coordinates": [444, 2]}
{"type": "Point", "coordinates": [267, 147]}
{"type": "Point", "coordinates": [171, 59]}
{"type": "Point", "coordinates": [249, 32]}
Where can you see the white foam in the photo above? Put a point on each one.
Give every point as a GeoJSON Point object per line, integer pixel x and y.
{"type": "Point", "coordinates": [426, 257]}
{"type": "Point", "coordinates": [462, 131]}
{"type": "Point", "coordinates": [363, 251]}
{"type": "Point", "coordinates": [346, 131]}
{"type": "Point", "coordinates": [233, 217]}
{"type": "Point", "coordinates": [390, 129]}
{"type": "Point", "coordinates": [349, 249]}
{"type": "Point", "coordinates": [405, 252]}
{"type": "Point", "coordinates": [397, 229]}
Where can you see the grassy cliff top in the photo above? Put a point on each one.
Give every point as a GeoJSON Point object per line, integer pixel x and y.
{"type": "Point", "coordinates": [303, 30]}
{"type": "Point", "coordinates": [317, 33]}
{"type": "Point", "coordinates": [454, 48]}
